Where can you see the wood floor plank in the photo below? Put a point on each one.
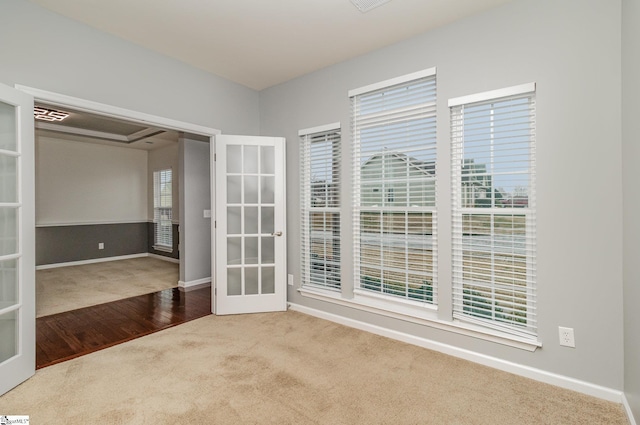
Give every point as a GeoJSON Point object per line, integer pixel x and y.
{"type": "Point", "coordinates": [71, 334]}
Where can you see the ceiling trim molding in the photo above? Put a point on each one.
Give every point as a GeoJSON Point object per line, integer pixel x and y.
{"type": "Point", "coordinates": [84, 105]}
{"type": "Point", "coordinates": [81, 132]}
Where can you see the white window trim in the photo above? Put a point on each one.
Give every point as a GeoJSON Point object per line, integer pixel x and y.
{"type": "Point", "coordinates": [427, 317]}
{"type": "Point", "coordinates": [371, 120]}
{"type": "Point", "coordinates": [519, 90]}
{"type": "Point", "coordinates": [156, 246]}
{"type": "Point", "coordinates": [393, 81]}
{"type": "Point", "coordinates": [493, 94]}
{"type": "Point", "coordinates": [320, 129]}
{"type": "Point", "coordinates": [327, 128]}
{"type": "Point", "coordinates": [162, 248]}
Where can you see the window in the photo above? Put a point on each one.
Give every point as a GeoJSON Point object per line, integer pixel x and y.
{"type": "Point", "coordinates": [493, 189]}
{"type": "Point", "coordinates": [394, 162]}
{"type": "Point", "coordinates": [320, 198]}
{"type": "Point", "coordinates": [162, 210]}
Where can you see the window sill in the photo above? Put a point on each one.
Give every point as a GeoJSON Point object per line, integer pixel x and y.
{"type": "Point", "coordinates": [421, 315]}
{"type": "Point", "coordinates": [162, 248]}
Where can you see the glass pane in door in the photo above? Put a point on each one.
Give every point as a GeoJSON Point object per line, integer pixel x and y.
{"type": "Point", "coordinates": [8, 230]}
{"type": "Point", "coordinates": [8, 283]}
{"type": "Point", "coordinates": [8, 178]}
{"type": "Point", "coordinates": [250, 183]}
{"type": "Point", "coordinates": [8, 335]}
{"type": "Point", "coordinates": [8, 134]}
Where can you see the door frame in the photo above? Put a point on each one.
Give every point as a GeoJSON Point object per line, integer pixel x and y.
{"type": "Point", "coordinates": [20, 365]}
{"type": "Point", "coordinates": [64, 101]}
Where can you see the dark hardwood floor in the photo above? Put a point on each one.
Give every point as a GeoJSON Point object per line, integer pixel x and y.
{"type": "Point", "coordinates": [71, 334]}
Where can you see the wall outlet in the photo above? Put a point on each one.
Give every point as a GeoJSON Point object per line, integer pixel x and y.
{"type": "Point", "coordinates": [567, 338]}
{"type": "Point", "coordinates": [290, 280]}
{"type": "Point", "coordinates": [101, 245]}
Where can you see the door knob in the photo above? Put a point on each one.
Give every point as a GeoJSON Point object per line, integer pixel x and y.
{"type": "Point", "coordinates": [279, 233]}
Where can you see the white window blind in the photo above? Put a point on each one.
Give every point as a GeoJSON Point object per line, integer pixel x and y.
{"type": "Point", "coordinates": [162, 209]}
{"type": "Point", "coordinates": [493, 190]}
{"type": "Point", "coordinates": [320, 198]}
{"type": "Point", "coordinates": [394, 187]}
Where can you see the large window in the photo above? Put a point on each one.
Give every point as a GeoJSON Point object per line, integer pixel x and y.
{"type": "Point", "coordinates": [162, 210]}
{"type": "Point", "coordinates": [493, 189]}
{"type": "Point", "coordinates": [320, 199]}
{"type": "Point", "coordinates": [394, 161]}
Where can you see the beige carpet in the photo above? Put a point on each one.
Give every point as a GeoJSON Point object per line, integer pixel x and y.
{"type": "Point", "coordinates": [69, 288]}
{"type": "Point", "coordinates": [288, 368]}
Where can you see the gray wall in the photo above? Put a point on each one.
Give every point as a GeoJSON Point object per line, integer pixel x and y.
{"type": "Point", "coordinates": [195, 192]}
{"type": "Point", "coordinates": [631, 157]}
{"type": "Point", "coordinates": [47, 51]}
{"type": "Point", "coordinates": [571, 49]}
{"type": "Point", "coordinates": [62, 244]}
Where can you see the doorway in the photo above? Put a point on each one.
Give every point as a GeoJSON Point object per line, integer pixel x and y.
{"type": "Point", "coordinates": [196, 140]}
{"type": "Point", "coordinates": [104, 228]}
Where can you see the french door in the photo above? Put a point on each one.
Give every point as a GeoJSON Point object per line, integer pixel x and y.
{"type": "Point", "coordinates": [250, 239]}
{"type": "Point", "coordinates": [17, 236]}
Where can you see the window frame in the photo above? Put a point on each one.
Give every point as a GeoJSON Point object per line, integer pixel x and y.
{"type": "Point", "coordinates": [472, 307]}
{"type": "Point", "coordinates": [330, 133]}
{"type": "Point", "coordinates": [407, 302]}
{"type": "Point", "coordinates": [159, 176]}
{"type": "Point", "coordinates": [435, 317]}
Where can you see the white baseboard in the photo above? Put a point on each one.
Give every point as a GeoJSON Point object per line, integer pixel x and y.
{"type": "Point", "coordinates": [105, 259]}
{"type": "Point", "coordinates": [627, 408]}
{"type": "Point", "coordinates": [192, 283]}
{"type": "Point", "coordinates": [566, 382]}
{"type": "Point", "coordinates": [163, 258]}
{"type": "Point", "coordinates": [92, 261]}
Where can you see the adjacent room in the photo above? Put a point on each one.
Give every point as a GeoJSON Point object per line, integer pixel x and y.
{"type": "Point", "coordinates": [105, 190]}
{"type": "Point", "coordinates": [459, 229]}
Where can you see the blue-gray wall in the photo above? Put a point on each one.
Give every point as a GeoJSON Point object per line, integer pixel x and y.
{"type": "Point", "coordinates": [631, 158]}
{"type": "Point", "coordinates": [44, 50]}
{"type": "Point", "coordinates": [195, 197]}
{"type": "Point", "coordinates": [571, 49]}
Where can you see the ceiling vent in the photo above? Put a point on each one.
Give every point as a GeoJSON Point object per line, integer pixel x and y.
{"type": "Point", "coordinates": [46, 114]}
{"type": "Point", "coordinates": [366, 5]}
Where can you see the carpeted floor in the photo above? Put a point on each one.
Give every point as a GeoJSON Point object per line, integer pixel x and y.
{"type": "Point", "coordinates": [289, 368]}
{"type": "Point", "coordinates": [69, 288]}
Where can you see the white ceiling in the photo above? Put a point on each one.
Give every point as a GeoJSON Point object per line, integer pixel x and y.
{"type": "Point", "coordinates": [260, 43]}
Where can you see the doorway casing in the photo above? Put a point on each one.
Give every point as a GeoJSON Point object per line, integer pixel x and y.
{"type": "Point", "coordinates": [64, 101]}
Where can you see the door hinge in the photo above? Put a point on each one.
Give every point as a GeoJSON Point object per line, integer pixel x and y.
{"type": "Point", "coordinates": [215, 291]}
{"type": "Point", "coordinates": [214, 157]}
{"type": "Point", "coordinates": [215, 224]}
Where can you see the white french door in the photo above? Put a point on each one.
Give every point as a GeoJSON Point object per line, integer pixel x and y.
{"type": "Point", "coordinates": [250, 239]}
{"type": "Point", "coordinates": [17, 239]}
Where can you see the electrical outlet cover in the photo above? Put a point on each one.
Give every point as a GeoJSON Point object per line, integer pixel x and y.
{"type": "Point", "coordinates": [567, 338]}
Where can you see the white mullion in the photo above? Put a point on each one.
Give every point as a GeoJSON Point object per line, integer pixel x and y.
{"type": "Point", "coordinates": [242, 226]}
{"type": "Point", "coordinates": [13, 154]}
